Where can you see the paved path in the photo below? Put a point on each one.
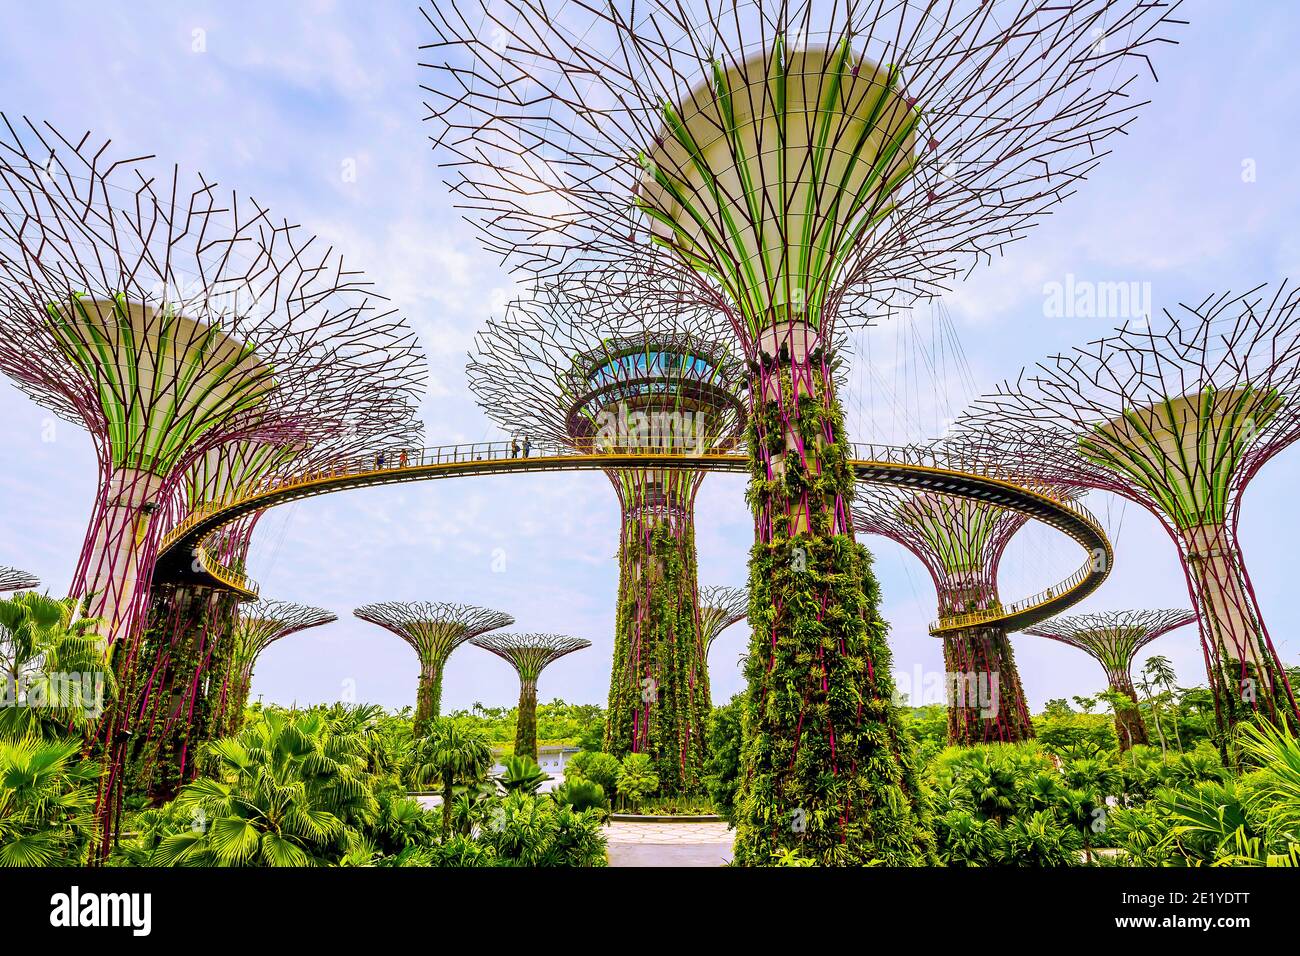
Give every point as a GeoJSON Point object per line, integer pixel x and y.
{"type": "Point", "coordinates": [668, 844]}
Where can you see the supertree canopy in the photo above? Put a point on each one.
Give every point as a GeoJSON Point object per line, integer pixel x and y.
{"type": "Point", "coordinates": [259, 625]}
{"type": "Point", "coordinates": [1177, 416]}
{"type": "Point", "coordinates": [796, 166]}
{"type": "Point", "coordinates": [961, 542]}
{"type": "Point", "coordinates": [1114, 638]}
{"type": "Point", "coordinates": [11, 579]}
{"type": "Point", "coordinates": [529, 654]}
{"type": "Point", "coordinates": [720, 607]}
{"type": "Point", "coordinates": [434, 630]}
{"type": "Point", "coordinates": [630, 382]}
{"type": "Point", "coordinates": [170, 318]}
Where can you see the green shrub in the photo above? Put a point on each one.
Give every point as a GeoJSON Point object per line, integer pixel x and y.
{"type": "Point", "coordinates": [581, 795]}
{"type": "Point", "coordinates": [597, 767]}
{"type": "Point", "coordinates": [1057, 730]}
{"type": "Point", "coordinates": [46, 797]}
{"type": "Point", "coordinates": [636, 779]}
{"type": "Point", "coordinates": [722, 766]}
{"type": "Point", "coordinates": [529, 830]}
{"type": "Point", "coordinates": [522, 774]}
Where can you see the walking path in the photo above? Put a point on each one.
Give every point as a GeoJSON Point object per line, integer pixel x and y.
{"type": "Point", "coordinates": [668, 844]}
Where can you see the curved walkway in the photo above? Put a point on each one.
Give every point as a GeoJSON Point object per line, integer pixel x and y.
{"type": "Point", "coordinates": [920, 467]}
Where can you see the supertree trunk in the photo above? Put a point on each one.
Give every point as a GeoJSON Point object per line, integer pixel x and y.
{"type": "Point", "coordinates": [116, 563]}
{"type": "Point", "coordinates": [829, 769]}
{"type": "Point", "coordinates": [526, 725]}
{"type": "Point", "coordinates": [987, 701]}
{"type": "Point", "coordinates": [1246, 675]}
{"type": "Point", "coordinates": [1130, 728]}
{"type": "Point", "coordinates": [428, 697]}
{"type": "Point", "coordinates": [186, 644]}
{"type": "Point", "coordinates": [657, 702]}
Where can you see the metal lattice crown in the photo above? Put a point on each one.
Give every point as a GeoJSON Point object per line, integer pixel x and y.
{"type": "Point", "coordinates": [434, 628]}
{"type": "Point", "coordinates": [530, 654]}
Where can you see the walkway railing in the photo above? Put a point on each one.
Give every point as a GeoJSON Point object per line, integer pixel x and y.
{"type": "Point", "coordinates": [1002, 612]}
{"type": "Point", "coordinates": [926, 464]}
{"type": "Point", "coordinates": [231, 577]}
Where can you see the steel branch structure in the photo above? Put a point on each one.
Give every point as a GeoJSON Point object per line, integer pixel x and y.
{"type": "Point", "coordinates": [630, 382]}
{"type": "Point", "coordinates": [1177, 416]}
{"type": "Point", "coordinates": [961, 542]}
{"type": "Point", "coordinates": [720, 607]}
{"type": "Point", "coordinates": [794, 165]}
{"type": "Point", "coordinates": [529, 655]}
{"type": "Point", "coordinates": [1113, 639]}
{"type": "Point", "coordinates": [170, 318]}
{"type": "Point", "coordinates": [434, 630]}
{"type": "Point", "coordinates": [258, 627]}
{"type": "Point", "coordinates": [11, 579]}
{"type": "Point", "coordinates": [777, 157]}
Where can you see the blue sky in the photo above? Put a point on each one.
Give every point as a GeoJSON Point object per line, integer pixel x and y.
{"type": "Point", "coordinates": [283, 98]}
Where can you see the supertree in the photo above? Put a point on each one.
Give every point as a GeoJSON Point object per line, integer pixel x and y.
{"type": "Point", "coordinates": [259, 625]}
{"type": "Point", "coordinates": [1177, 415]}
{"type": "Point", "coordinates": [11, 579]}
{"type": "Point", "coordinates": [170, 318]}
{"type": "Point", "coordinates": [632, 382]}
{"type": "Point", "coordinates": [529, 654]}
{"type": "Point", "coordinates": [434, 630]}
{"type": "Point", "coordinates": [961, 542]}
{"type": "Point", "coordinates": [1114, 638]}
{"type": "Point", "coordinates": [720, 607]}
{"type": "Point", "coordinates": [797, 167]}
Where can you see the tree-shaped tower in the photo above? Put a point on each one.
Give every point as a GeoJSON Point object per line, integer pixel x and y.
{"type": "Point", "coordinates": [1114, 638]}
{"type": "Point", "coordinates": [1177, 415]}
{"type": "Point", "coordinates": [11, 579]}
{"type": "Point", "coordinates": [720, 607]}
{"type": "Point", "coordinates": [961, 542]}
{"type": "Point", "coordinates": [634, 383]}
{"type": "Point", "coordinates": [434, 630]}
{"type": "Point", "coordinates": [170, 317]}
{"type": "Point", "coordinates": [259, 626]}
{"type": "Point", "coordinates": [800, 167]}
{"type": "Point", "coordinates": [529, 654]}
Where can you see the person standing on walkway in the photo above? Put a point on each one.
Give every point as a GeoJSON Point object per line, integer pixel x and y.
{"type": "Point", "coordinates": [514, 447]}
{"type": "Point", "coordinates": [528, 445]}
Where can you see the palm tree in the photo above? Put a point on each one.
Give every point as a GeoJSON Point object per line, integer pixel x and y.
{"type": "Point", "coordinates": [46, 797]}
{"type": "Point", "coordinates": [289, 790]}
{"type": "Point", "coordinates": [1160, 672]}
{"type": "Point", "coordinates": [49, 649]}
{"type": "Point", "coordinates": [451, 752]}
